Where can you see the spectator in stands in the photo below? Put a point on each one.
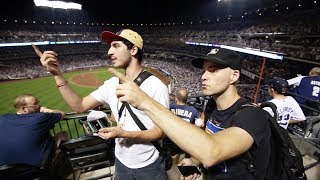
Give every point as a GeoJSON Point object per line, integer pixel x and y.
{"type": "Point", "coordinates": [309, 88]}
{"type": "Point", "coordinates": [136, 157]}
{"type": "Point", "coordinates": [222, 148]}
{"type": "Point", "coordinates": [25, 136]}
{"type": "Point", "coordinates": [288, 109]}
{"type": "Point", "coordinates": [185, 112]}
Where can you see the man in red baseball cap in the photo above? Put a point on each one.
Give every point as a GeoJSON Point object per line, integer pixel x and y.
{"type": "Point", "coordinates": [136, 156]}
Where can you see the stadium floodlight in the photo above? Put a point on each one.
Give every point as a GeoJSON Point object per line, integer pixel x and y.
{"type": "Point", "coordinates": [271, 55]}
{"type": "Point", "coordinates": [254, 52]}
{"type": "Point", "coordinates": [57, 4]}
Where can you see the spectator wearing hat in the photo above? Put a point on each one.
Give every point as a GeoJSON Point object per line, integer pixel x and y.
{"type": "Point", "coordinates": [309, 88]}
{"type": "Point", "coordinates": [288, 109]}
{"type": "Point", "coordinates": [136, 156]}
{"type": "Point", "coordinates": [229, 133]}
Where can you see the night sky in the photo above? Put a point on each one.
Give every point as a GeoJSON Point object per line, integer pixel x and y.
{"type": "Point", "coordinates": [137, 11]}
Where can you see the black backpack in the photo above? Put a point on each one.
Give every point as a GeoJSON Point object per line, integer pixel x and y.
{"type": "Point", "coordinates": [285, 159]}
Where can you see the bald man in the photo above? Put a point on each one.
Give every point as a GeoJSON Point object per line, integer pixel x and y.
{"type": "Point", "coordinates": [25, 136]}
{"type": "Point", "coordinates": [185, 112]}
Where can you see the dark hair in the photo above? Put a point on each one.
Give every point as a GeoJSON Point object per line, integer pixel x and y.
{"type": "Point", "coordinates": [130, 46]}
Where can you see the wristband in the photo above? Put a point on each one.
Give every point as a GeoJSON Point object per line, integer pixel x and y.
{"type": "Point", "coordinates": [62, 84]}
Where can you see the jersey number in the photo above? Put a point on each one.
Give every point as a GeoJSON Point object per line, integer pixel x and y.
{"type": "Point", "coordinates": [285, 119]}
{"type": "Point", "coordinates": [316, 91]}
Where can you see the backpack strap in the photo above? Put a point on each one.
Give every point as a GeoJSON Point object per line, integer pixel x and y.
{"type": "Point", "coordinates": [139, 80]}
{"type": "Point", "coordinates": [142, 127]}
{"type": "Point", "coordinates": [249, 155]}
{"type": "Point", "coordinates": [141, 77]}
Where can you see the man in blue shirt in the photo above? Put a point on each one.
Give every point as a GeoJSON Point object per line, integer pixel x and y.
{"type": "Point", "coordinates": [185, 112]}
{"type": "Point", "coordinates": [309, 88]}
{"type": "Point", "coordinates": [25, 136]}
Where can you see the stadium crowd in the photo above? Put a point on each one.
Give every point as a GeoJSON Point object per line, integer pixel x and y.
{"type": "Point", "coordinates": [165, 49]}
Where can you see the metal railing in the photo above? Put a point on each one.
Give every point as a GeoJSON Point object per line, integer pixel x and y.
{"type": "Point", "coordinates": [304, 135]}
{"type": "Point", "coordinates": [72, 124]}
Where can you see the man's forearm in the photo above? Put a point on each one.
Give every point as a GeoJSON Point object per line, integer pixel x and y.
{"type": "Point", "coordinates": [184, 134]}
{"type": "Point", "coordinates": [147, 135]}
{"type": "Point", "coordinates": [68, 94]}
{"type": "Point", "coordinates": [47, 110]}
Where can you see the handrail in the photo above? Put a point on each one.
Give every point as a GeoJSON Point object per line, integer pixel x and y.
{"type": "Point", "coordinates": [71, 124]}
{"type": "Point", "coordinates": [311, 121]}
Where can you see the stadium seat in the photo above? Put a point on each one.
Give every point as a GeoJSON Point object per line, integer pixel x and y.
{"type": "Point", "coordinates": [23, 171]}
{"type": "Point", "coordinates": [89, 153]}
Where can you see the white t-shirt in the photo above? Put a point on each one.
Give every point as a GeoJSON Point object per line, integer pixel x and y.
{"type": "Point", "coordinates": [288, 109]}
{"type": "Point", "coordinates": [130, 152]}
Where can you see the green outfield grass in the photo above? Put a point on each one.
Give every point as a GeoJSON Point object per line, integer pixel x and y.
{"type": "Point", "coordinates": [47, 93]}
{"type": "Point", "coordinates": [45, 89]}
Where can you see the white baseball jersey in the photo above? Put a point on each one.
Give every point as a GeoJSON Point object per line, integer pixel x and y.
{"type": "Point", "coordinates": [288, 109]}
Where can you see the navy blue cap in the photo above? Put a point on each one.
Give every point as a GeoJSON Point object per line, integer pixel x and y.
{"type": "Point", "coordinates": [279, 84]}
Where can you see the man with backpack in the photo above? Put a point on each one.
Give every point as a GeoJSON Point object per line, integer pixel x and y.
{"type": "Point", "coordinates": [230, 132]}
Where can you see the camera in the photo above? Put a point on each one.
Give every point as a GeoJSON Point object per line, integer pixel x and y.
{"type": "Point", "coordinates": [93, 126]}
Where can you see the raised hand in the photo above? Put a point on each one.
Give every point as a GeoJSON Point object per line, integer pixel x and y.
{"type": "Point", "coordinates": [49, 60]}
{"type": "Point", "coordinates": [129, 92]}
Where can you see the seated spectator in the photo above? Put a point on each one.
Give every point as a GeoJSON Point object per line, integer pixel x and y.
{"type": "Point", "coordinates": [25, 136]}
{"type": "Point", "coordinates": [287, 107]}
{"type": "Point", "coordinates": [308, 87]}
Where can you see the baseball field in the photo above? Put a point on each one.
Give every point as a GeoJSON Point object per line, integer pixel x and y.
{"type": "Point", "coordinates": [45, 89]}
{"type": "Point", "coordinates": [83, 82]}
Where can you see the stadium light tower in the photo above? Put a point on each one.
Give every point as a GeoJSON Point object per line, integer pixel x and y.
{"type": "Point", "coordinates": [57, 4]}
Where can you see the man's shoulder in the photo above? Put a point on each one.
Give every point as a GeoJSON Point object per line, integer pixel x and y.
{"type": "Point", "coordinates": [173, 105]}
{"type": "Point", "coordinates": [153, 82]}
{"type": "Point", "coordinates": [290, 99]}
{"type": "Point", "coordinates": [251, 109]}
{"type": "Point", "coordinates": [112, 80]}
{"type": "Point", "coordinates": [7, 115]}
{"type": "Point", "coordinates": [191, 107]}
{"type": "Point", "coordinates": [14, 115]}
{"type": "Point", "coordinates": [241, 103]}
{"type": "Point", "coordinates": [253, 112]}
{"type": "Point", "coordinates": [311, 78]}
{"type": "Point", "coordinates": [4, 117]}
{"type": "Point", "coordinates": [153, 78]}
